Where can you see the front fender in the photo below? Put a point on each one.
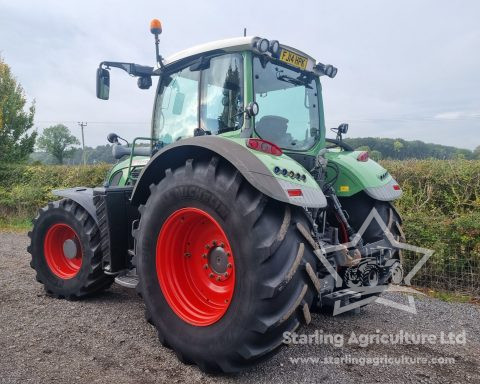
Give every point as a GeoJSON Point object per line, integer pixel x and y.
{"type": "Point", "coordinates": [82, 196]}
{"type": "Point", "coordinates": [368, 176]}
{"type": "Point", "coordinates": [251, 164]}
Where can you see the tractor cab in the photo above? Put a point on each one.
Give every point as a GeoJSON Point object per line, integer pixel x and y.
{"type": "Point", "coordinates": [240, 87]}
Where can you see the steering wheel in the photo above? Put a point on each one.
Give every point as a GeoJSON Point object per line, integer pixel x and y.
{"type": "Point", "coordinates": [338, 143]}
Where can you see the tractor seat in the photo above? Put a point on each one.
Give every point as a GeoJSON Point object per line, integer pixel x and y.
{"type": "Point", "coordinates": [274, 129]}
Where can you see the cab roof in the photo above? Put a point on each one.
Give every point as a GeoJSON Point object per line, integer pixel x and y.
{"type": "Point", "coordinates": [229, 45]}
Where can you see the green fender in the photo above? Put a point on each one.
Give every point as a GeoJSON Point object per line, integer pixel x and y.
{"type": "Point", "coordinates": [355, 176]}
{"type": "Point", "coordinates": [256, 167]}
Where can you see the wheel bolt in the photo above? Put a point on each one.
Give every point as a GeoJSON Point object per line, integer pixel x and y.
{"type": "Point", "coordinates": [205, 266]}
{"type": "Point", "coordinates": [228, 254]}
{"type": "Point", "coordinates": [210, 275]}
{"type": "Point", "coordinates": [204, 255]}
{"type": "Point", "coordinates": [229, 265]}
{"type": "Point", "coordinates": [214, 242]}
{"type": "Point", "coordinates": [225, 274]}
{"type": "Point", "coordinates": [218, 278]}
{"type": "Point", "coordinates": [222, 245]}
{"type": "Point", "coordinates": [207, 246]}
{"type": "Point", "coordinates": [187, 254]}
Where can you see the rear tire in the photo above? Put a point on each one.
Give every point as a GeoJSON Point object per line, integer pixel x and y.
{"type": "Point", "coordinates": [271, 263]}
{"type": "Point", "coordinates": [65, 249]}
{"type": "Point", "coordinates": [358, 208]}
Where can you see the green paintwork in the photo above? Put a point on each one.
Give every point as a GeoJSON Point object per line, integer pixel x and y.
{"type": "Point", "coordinates": [123, 166]}
{"type": "Point", "coordinates": [282, 162]}
{"type": "Point", "coordinates": [354, 174]}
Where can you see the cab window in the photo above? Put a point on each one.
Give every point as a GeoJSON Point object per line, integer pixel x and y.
{"type": "Point", "coordinates": [288, 102]}
{"type": "Point", "coordinates": [222, 94]}
{"type": "Point", "coordinates": [176, 112]}
{"type": "Point", "coordinates": [210, 98]}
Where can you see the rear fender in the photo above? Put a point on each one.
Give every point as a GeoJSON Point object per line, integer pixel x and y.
{"type": "Point", "coordinates": [355, 176]}
{"type": "Point", "coordinates": [256, 167]}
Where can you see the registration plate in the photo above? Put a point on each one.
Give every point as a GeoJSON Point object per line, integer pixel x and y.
{"type": "Point", "coordinates": [293, 59]}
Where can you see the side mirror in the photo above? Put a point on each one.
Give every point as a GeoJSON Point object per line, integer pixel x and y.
{"type": "Point", "coordinates": [112, 138]}
{"type": "Point", "coordinates": [342, 128]}
{"type": "Point", "coordinates": [103, 83]}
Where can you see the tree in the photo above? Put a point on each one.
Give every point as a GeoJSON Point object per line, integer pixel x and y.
{"type": "Point", "coordinates": [398, 146]}
{"type": "Point", "coordinates": [57, 141]}
{"type": "Point", "coordinates": [16, 143]}
{"type": "Point", "coordinates": [402, 149]}
{"type": "Point", "coordinates": [363, 148]}
{"type": "Point", "coordinates": [376, 155]}
{"type": "Point", "coordinates": [476, 153]}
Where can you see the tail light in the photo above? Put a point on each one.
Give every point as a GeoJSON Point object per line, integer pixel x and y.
{"type": "Point", "coordinates": [264, 146]}
{"type": "Point", "coordinates": [294, 192]}
{"type": "Point", "coordinates": [396, 187]}
{"type": "Point", "coordinates": [363, 156]}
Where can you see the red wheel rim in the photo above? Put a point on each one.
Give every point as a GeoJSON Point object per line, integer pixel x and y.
{"type": "Point", "coordinates": [195, 266]}
{"type": "Point", "coordinates": [61, 264]}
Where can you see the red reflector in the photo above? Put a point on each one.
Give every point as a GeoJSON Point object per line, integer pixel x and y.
{"type": "Point", "coordinates": [264, 146]}
{"type": "Point", "coordinates": [294, 192]}
{"type": "Point", "coordinates": [363, 156]}
{"type": "Point", "coordinates": [396, 187]}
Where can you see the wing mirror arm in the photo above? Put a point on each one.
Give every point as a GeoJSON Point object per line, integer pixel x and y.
{"type": "Point", "coordinates": [143, 72]}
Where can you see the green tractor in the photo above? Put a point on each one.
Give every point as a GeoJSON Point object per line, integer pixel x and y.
{"type": "Point", "coordinates": [236, 217]}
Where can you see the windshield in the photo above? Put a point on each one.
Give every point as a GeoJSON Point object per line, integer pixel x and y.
{"type": "Point", "coordinates": [288, 105]}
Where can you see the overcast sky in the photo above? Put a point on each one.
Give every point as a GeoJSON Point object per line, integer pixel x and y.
{"type": "Point", "coordinates": [407, 68]}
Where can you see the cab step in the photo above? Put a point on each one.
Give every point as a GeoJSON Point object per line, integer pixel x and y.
{"type": "Point", "coordinates": [128, 280]}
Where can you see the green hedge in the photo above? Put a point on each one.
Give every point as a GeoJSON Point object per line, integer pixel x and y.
{"type": "Point", "coordinates": [439, 187]}
{"type": "Point", "coordinates": [25, 188]}
{"type": "Point", "coordinates": [440, 207]}
{"type": "Point", "coordinates": [441, 211]}
{"type": "Point", "coordinates": [447, 190]}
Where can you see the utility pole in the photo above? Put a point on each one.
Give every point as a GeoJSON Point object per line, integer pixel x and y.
{"type": "Point", "coordinates": [82, 124]}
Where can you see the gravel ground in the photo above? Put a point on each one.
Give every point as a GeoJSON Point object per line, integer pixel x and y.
{"type": "Point", "coordinates": [105, 339]}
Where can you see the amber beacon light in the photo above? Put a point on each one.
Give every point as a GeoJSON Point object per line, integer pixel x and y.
{"type": "Point", "coordinates": [156, 27]}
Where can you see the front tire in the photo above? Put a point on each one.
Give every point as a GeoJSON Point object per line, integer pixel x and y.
{"type": "Point", "coordinates": [222, 323]}
{"type": "Point", "coordinates": [65, 249]}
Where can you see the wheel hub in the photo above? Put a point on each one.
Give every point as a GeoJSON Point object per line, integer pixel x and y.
{"type": "Point", "coordinates": [218, 260]}
{"type": "Point", "coordinates": [69, 249]}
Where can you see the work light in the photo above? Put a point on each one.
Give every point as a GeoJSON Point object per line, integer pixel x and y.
{"type": "Point", "coordinates": [330, 71]}
{"type": "Point", "coordinates": [274, 47]}
{"type": "Point", "coordinates": [262, 45]}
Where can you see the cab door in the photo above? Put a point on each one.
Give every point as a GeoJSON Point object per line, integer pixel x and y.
{"type": "Point", "coordinates": [205, 93]}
